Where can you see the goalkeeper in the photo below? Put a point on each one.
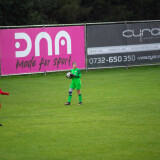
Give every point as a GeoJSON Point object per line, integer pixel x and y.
{"type": "Point", "coordinates": [76, 83]}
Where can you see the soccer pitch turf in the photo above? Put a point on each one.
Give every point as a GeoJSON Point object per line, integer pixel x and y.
{"type": "Point", "coordinates": [119, 118]}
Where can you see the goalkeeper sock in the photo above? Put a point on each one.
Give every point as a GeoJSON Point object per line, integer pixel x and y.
{"type": "Point", "coordinates": [80, 97]}
{"type": "Point", "coordinates": [69, 98]}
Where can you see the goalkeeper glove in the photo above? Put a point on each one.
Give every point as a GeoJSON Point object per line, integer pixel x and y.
{"type": "Point", "coordinates": [72, 75]}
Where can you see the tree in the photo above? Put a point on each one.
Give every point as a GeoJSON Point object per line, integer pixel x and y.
{"type": "Point", "coordinates": [24, 12]}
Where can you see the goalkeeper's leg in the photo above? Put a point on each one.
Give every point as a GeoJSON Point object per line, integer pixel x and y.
{"type": "Point", "coordinates": [78, 88]}
{"type": "Point", "coordinates": [69, 97]}
{"type": "Point", "coordinates": [80, 97]}
{"type": "Point", "coordinates": [71, 88]}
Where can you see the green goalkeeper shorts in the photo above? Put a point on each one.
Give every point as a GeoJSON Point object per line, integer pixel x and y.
{"type": "Point", "coordinates": [76, 84]}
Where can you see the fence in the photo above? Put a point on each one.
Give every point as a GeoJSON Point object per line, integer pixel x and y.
{"type": "Point", "coordinates": [48, 48]}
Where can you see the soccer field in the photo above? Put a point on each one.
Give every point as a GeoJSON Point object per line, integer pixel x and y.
{"type": "Point", "coordinates": [119, 118]}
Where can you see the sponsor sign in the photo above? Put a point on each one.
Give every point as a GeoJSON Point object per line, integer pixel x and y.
{"type": "Point", "coordinates": [31, 50]}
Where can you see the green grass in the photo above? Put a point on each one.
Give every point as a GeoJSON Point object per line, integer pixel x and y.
{"type": "Point", "coordinates": [119, 119]}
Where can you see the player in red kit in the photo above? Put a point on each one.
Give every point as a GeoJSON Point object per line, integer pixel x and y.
{"type": "Point", "coordinates": [3, 93]}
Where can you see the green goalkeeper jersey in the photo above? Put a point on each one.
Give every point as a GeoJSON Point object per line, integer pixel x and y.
{"type": "Point", "coordinates": [77, 73]}
{"type": "Point", "coordinates": [76, 83]}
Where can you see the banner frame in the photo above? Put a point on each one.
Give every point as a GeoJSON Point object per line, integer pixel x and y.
{"type": "Point", "coordinates": [85, 34]}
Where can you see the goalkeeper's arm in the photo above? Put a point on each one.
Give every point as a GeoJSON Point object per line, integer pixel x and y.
{"type": "Point", "coordinates": [77, 76]}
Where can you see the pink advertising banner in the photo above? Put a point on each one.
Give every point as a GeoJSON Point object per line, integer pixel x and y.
{"type": "Point", "coordinates": [31, 50]}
